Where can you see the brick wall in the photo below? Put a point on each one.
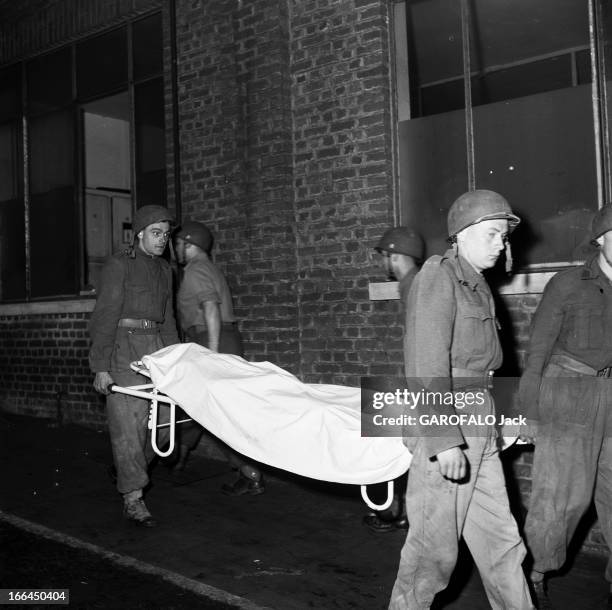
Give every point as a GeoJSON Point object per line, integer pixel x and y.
{"type": "Point", "coordinates": [45, 373]}
{"type": "Point", "coordinates": [236, 174]}
{"type": "Point", "coordinates": [286, 152]}
{"type": "Point", "coordinates": [344, 186]}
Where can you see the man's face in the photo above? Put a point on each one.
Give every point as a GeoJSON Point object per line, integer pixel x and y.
{"type": "Point", "coordinates": [388, 264]}
{"type": "Point", "coordinates": [153, 238]}
{"type": "Point", "coordinates": [482, 243]}
{"type": "Point", "coordinates": [190, 251]}
{"type": "Point", "coordinates": [605, 243]}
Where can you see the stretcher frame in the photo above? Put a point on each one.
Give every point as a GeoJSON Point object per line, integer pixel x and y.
{"type": "Point", "coordinates": [149, 392]}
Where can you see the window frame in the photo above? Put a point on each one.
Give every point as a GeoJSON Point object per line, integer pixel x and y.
{"type": "Point", "coordinates": [406, 92]}
{"type": "Point", "coordinates": [23, 150]}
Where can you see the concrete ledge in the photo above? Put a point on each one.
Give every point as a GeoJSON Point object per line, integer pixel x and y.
{"type": "Point", "coordinates": [384, 291]}
{"type": "Point", "coordinates": [48, 307]}
{"type": "Point", "coordinates": [526, 283]}
{"type": "Point", "coordinates": [521, 283]}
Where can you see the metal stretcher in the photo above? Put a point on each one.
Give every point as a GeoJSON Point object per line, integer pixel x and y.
{"type": "Point", "coordinates": [267, 414]}
{"type": "Point", "coordinates": [159, 399]}
{"type": "Point", "coordinates": [149, 392]}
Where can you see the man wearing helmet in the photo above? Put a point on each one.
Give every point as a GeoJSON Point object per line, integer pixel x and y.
{"type": "Point", "coordinates": [206, 316]}
{"type": "Point", "coordinates": [456, 485]}
{"type": "Point", "coordinates": [566, 392]}
{"type": "Point", "coordinates": [133, 317]}
{"type": "Point", "coordinates": [403, 250]}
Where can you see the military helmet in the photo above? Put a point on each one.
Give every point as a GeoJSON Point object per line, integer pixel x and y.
{"type": "Point", "coordinates": [150, 214]}
{"type": "Point", "coordinates": [196, 233]}
{"type": "Point", "coordinates": [402, 240]}
{"type": "Point", "coordinates": [602, 222]}
{"type": "Point", "coordinates": [476, 206]}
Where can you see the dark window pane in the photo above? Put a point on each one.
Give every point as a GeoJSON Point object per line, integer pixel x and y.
{"type": "Point", "coordinates": [583, 67]}
{"type": "Point", "coordinates": [148, 48]}
{"type": "Point", "coordinates": [432, 148]}
{"type": "Point", "coordinates": [102, 64]}
{"type": "Point", "coordinates": [434, 170]}
{"type": "Point", "coordinates": [533, 132]}
{"type": "Point", "coordinates": [532, 120]}
{"type": "Point", "coordinates": [108, 201]}
{"type": "Point", "coordinates": [525, 79]}
{"type": "Point", "coordinates": [49, 80]}
{"type": "Point", "coordinates": [106, 127]}
{"type": "Point", "coordinates": [10, 92]}
{"type": "Point", "coordinates": [504, 33]}
{"type": "Point", "coordinates": [54, 218]}
{"type": "Point", "coordinates": [538, 152]}
{"type": "Point", "coordinates": [12, 225]}
{"type": "Point", "coordinates": [435, 57]}
{"type": "Point", "coordinates": [444, 97]}
{"type": "Point", "coordinates": [150, 143]}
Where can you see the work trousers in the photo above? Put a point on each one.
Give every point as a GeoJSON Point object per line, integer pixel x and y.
{"type": "Point", "coordinates": [128, 416]}
{"type": "Point", "coordinates": [441, 511]}
{"type": "Point", "coordinates": [572, 459]}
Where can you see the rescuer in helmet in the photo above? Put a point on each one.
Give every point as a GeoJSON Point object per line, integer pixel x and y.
{"type": "Point", "coordinates": [456, 485]}
{"type": "Point", "coordinates": [403, 250]}
{"type": "Point", "coordinates": [478, 206]}
{"type": "Point", "coordinates": [133, 317]}
{"type": "Point", "coordinates": [566, 394]}
{"type": "Point", "coordinates": [206, 316]}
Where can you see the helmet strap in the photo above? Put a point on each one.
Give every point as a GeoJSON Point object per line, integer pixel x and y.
{"type": "Point", "coordinates": [131, 249]}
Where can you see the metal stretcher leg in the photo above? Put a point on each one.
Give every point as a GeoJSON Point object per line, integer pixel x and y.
{"type": "Point", "coordinates": [154, 398]}
{"type": "Point", "coordinates": [372, 505]}
{"type": "Point", "coordinates": [152, 425]}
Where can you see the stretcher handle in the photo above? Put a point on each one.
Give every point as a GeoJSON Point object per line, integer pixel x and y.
{"type": "Point", "coordinates": [386, 503]}
{"type": "Point", "coordinates": [154, 398]}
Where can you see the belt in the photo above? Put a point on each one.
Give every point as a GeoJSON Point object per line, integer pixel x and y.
{"type": "Point", "coordinates": [473, 377]}
{"type": "Point", "coordinates": [567, 362]}
{"type": "Point", "coordinates": [138, 323]}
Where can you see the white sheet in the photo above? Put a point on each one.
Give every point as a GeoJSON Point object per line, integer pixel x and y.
{"type": "Point", "coordinates": [267, 414]}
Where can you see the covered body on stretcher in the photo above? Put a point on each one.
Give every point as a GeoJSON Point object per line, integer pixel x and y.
{"type": "Point", "coordinates": [267, 414]}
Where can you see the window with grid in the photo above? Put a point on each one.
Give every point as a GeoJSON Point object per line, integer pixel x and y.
{"type": "Point", "coordinates": [509, 96]}
{"type": "Point", "coordinates": [81, 145]}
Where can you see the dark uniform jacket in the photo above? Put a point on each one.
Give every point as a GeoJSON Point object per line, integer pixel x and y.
{"type": "Point", "coordinates": [138, 287]}
{"type": "Point", "coordinates": [574, 319]}
{"type": "Point", "coordinates": [450, 324]}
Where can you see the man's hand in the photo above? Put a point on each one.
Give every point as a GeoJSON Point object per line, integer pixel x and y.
{"type": "Point", "coordinates": [102, 381]}
{"type": "Point", "coordinates": [452, 464]}
{"type": "Point", "coordinates": [529, 432]}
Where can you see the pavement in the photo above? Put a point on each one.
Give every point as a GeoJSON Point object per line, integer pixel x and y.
{"type": "Point", "coordinates": [83, 578]}
{"type": "Point", "coordinates": [299, 545]}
